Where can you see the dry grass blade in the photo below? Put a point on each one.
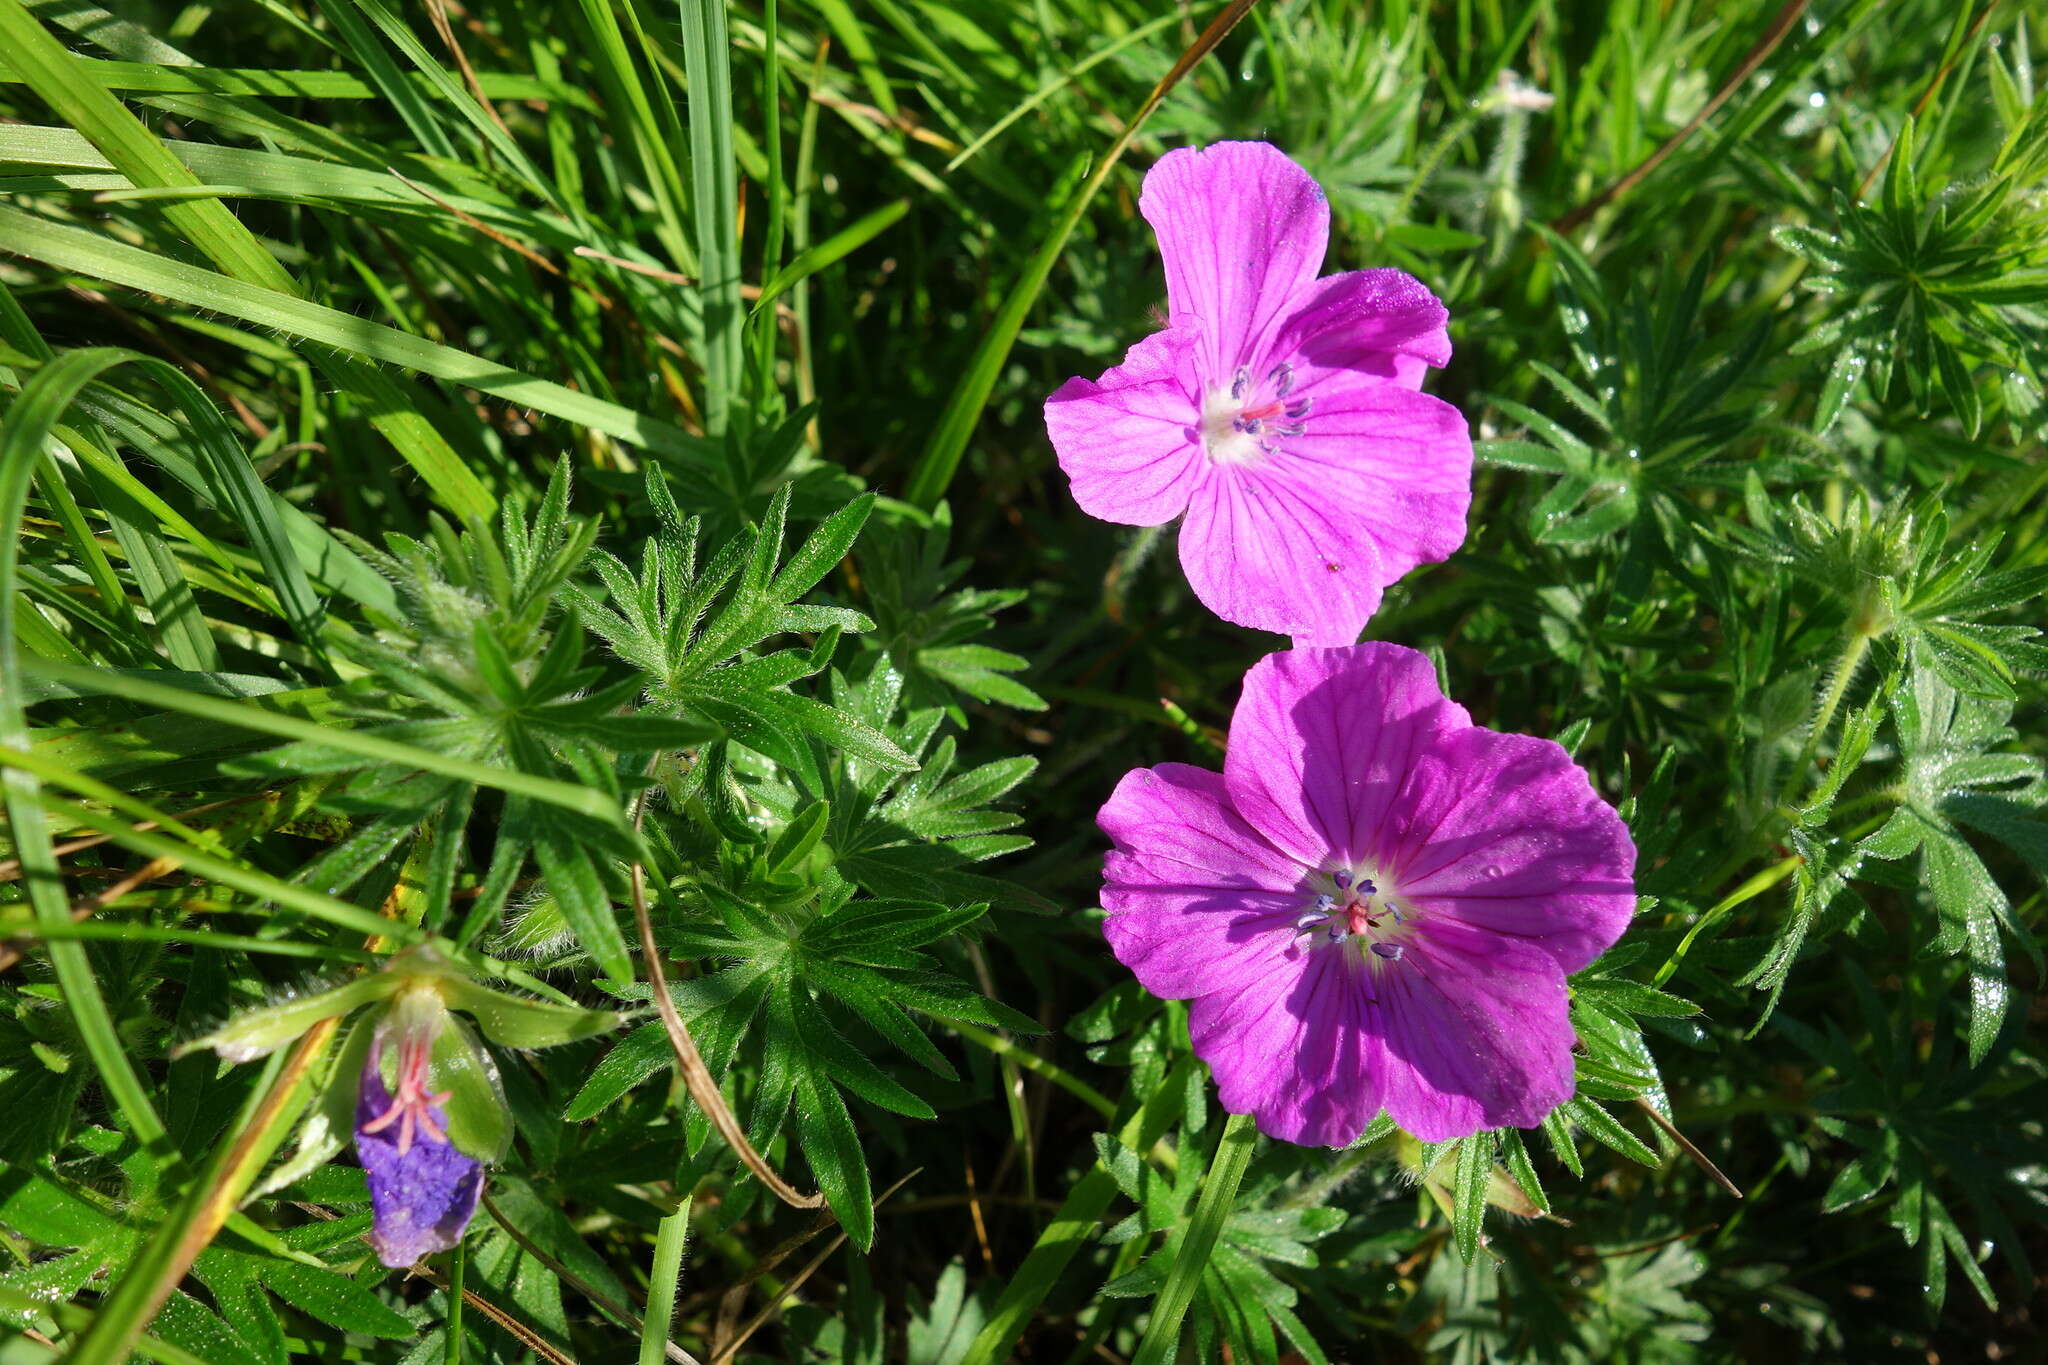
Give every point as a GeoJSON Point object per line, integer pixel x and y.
{"type": "Point", "coordinates": [651, 271]}
{"type": "Point", "coordinates": [1698, 1157]}
{"type": "Point", "coordinates": [1775, 34]}
{"type": "Point", "coordinates": [696, 1076]}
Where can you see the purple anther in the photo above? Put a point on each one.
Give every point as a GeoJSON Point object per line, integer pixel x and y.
{"type": "Point", "coordinates": [1343, 879]}
{"type": "Point", "coordinates": [1390, 951]}
{"type": "Point", "coordinates": [1281, 377]}
{"type": "Point", "coordinates": [1291, 429]}
{"type": "Point", "coordinates": [1337, 931]}
{"type": "Point", "coordinates": [1325, 904]}
{"type": "Point", "coordinates": [1241, 385]}
{"type": "Point", "coordinates": [1367, 887]}
{"type": "Point", "coordinates": [1300, 408]}
{"type": "Point", "coordinates": [1250, 426]}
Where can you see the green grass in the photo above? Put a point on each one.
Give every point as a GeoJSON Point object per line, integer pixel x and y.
{"type": "Point", "coordinates": [436, 483]}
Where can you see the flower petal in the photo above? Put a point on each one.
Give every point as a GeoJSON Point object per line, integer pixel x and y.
{"type": "Point", "coordinates": [1242, 231]}
{"type": "Point", "coordinates": [1271, 553]}
{"type": "Point", "coordinates": [421, 1199]}
{"type": "Point", "coordinates": [1380, 322]}
{"type": "Point", "coordinates": [1322, 742]}
{"type": "Point", "coordinates": [1305, 543]}
{"type": "Point", "coordinates": [1473, 1033]}
{"type": "Point", "coordinates": [1393, 464]}
{"type": "Point", "coordinates": [1130, 442]}
{"type": "Point", "coordinates": [1196, 898]}
{"type": "Point", "coordinates": [1505, 834]}
{"type": "Point", "coordinates": [1286, 1045]}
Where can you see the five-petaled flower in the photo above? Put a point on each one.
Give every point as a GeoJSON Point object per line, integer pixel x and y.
{"type": "Point", "coordinates": [1279, 411]}
{"type": "Point", "coordinates": [1374, 906]}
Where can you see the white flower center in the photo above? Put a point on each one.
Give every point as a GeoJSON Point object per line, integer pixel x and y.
{"type": "Point", "coordinates": [1360, 913]}
{"type": "Point", "coordinates": [1245, 422]}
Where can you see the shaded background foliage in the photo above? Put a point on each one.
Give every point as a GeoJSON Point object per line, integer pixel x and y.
{"type": "Point", "coordinates": [517, 401]}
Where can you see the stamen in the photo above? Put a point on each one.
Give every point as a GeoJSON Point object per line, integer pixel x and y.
{"type": "Point", "coordinates": [412, 1104]}
{"type": "Point", "coordinates": [1343, 878]}
{"type": "Point", "coordinates": [1291, 429]}
{"type": "Point", "coordinates": [1300, 407]}
{"type": "Point", "coordinates": [1281, 377]}
{"type": "Point", "coordinates": [1242, 384]}
{"type": "Point", "coordinates": [1250, 426]}
{"type": "Point", "coordinates": [1390, 951]}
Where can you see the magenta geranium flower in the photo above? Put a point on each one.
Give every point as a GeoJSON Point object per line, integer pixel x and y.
{"type": "Point", "coordinates": [1375, 904]}
{"type": "Point", "coordinates": [1278, 411]}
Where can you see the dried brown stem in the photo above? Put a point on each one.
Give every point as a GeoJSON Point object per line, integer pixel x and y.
{"type": "Point", "coordinates": [85, 909]}
{"type": "Point", "coordinates": [697, 1077]}
{"type": "Point", "coordinates": [10, 870]}
{"type": "Point", "coordinates": [1699, 1158]}
{"type": "Point", "coordinates": [1775, 34]}
{"type": "Point", "coordinates": [727, 1349]}
{"type": "Point", "coordinates": [528, 1337]}
{"type": "Point", "coordinates": [1927, 95]}
{"type": "Point", "coordinates": [576, 1282]}
{"type": "Point", "coordinates": [470, 220]}
{"type": "Point", "coordinates": [437, 11]}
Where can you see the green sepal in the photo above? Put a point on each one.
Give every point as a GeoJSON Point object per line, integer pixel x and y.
{"type": "Point", "coordinates": [479, 1119]}
{"type": "Point", "coordinates": [261, 1031]}
{"type": "Point", "coordinates": [522, 1022]}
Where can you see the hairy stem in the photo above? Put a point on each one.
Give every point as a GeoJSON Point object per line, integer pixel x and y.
{"type": "Point", "coordinates": [1860, 636]}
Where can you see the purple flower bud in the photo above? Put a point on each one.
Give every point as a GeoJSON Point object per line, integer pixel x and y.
{"type": "Point", "coordinates": [423, 1191]}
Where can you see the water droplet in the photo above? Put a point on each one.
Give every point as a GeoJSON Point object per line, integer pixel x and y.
{"type": "Point", "coordinates": [1491, 872]}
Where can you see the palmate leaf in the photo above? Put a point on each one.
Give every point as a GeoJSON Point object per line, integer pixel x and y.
{"type": "Point", "coordinates": [1928, 286]}
{"type": "Point", "coordinates": [813, 987]}
{"type": "Point", "coordinates": [1944, 737]}
{"type": "Point", "coordinates": [690, 634]}
{"type": "Point", "coordinates": [927, 628]}
{"type": "Point", "coordinates": [1666, 398]}
{"type": "Point", "coordinates": [1939, 1143]}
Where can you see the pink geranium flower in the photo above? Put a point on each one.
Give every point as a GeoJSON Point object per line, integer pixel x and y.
{"type": "Point", "coordinates": [1277, 410]}
{"type": "Point", "coordinates": [1375, 904]}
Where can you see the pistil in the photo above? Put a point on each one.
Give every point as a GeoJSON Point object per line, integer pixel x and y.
{"type": "Point", "coordinates": [1238, 427]}
{"type": "Point", "coordinates": [1356, 910]}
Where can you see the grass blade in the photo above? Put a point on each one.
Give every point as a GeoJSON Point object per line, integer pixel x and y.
{"type": "Point", "coordinates": [715, 182]}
